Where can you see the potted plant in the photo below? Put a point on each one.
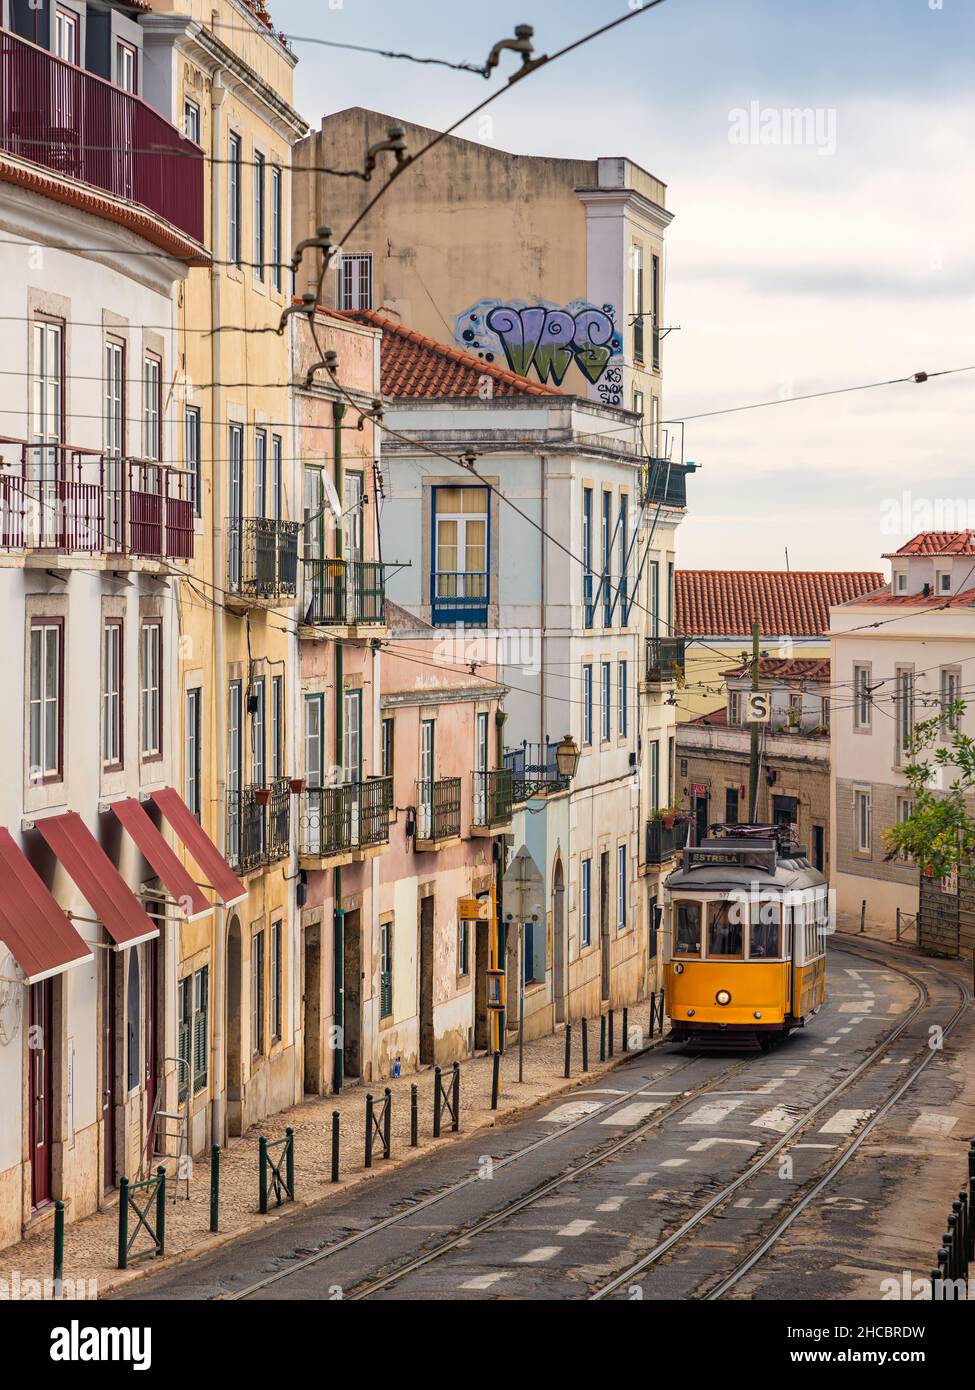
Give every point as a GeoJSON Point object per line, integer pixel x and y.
{"type": "Point", "coordinates": [262, 795]}
{"type": "Point", "coordinates": [297, 784]}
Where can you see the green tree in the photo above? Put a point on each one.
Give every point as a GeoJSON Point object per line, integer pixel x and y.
{"type": "Point", "coordinates": [939, 834]}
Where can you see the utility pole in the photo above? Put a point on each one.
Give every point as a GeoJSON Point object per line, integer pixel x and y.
{"type": "Point", "coordinates": [753, 760]}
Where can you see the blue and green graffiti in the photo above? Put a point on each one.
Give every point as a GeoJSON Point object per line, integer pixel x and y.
{"type": "Point", "coordinates": [542, 337]}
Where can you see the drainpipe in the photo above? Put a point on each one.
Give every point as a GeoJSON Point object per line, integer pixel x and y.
{"type": "Point", "coordinates": [338, 920]}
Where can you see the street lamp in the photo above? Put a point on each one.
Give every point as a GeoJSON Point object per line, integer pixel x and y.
{"type": "Point", "coordinates": [567, 757]}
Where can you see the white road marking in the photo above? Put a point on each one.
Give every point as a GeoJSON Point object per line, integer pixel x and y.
{"type": "Point", "coordinates": [791, 1071]}
{"type": "Point", "coordinates": [933, 1122]}
{"type": "Point", "coordinates": [854, 973]}
{"type": "Point", "coordinates": [818, 1051]}
{"type": "Point", "coordinates": [852, 1009]}
{"type": "Point", "coordinates": [845, 1121]}
{"type": "Point", "coordinates": [673, 1163]}
{"type": "Point", "coordinates": [660, 1093]}
{"type": "Point", "coordinates": [714, 1112]}
{"type": "Point", "coordinates": [602, 1091]}
{"type": "Point", "coordinates": [613, 1204]}
{"type": "Point", "coordinates": [572, 1110]}
{"type": "Point", "coordinates": [750, 1202]}
{"type": "Point", "coordinates": [779, 1118]}
{"type": "Point", "coordinates": [484, 1281]}
{"type": "Point", "coordinates": [575, 1228]}
{"type": "Point", "coordinates": [846, 1030]}
{"type": "Point", "coordinates": [641, 1179]}
{"type": "Point", "coordinates": [633, 1114]}
{"type": "Point", "coordinates": [815, 1146]}
{"type": "Point", "coordinates": [538, 1256]}
{"type": "Point", "coordinates": [832, 1041]}
{"type": "Point", "coordinates": [703, 1144]}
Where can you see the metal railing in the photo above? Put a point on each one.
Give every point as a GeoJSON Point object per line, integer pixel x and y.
{"type": "Point", "coordinates": [262, 557]}
{"type": "Point", "coordinates": [352, 815]}
{"type": "Point", "coordinates": [664, 841]}
{"type": "Point", "coordinates": [664, 482]}
{"type": "Point", "coordinates": [61, 499]}
{"type": "Point", "coordinates": [343, 592]}
{"type": "Point", "coordinates": [258, 825]}
{"type": "Point", "coordinates": [457, 595]}
{"type": "Point", "coordinates": [949, 1281]}
{"type": "Point", "coordinates": [665, 657]}
{"type": "Point", "coordinates": [534, 770]}
{"type": "Point", "coordinates": [81, 127]}
{"type": "Point", "coordinates": [493, 796]}
{"type": "Point", "coordinates": [437, 808]}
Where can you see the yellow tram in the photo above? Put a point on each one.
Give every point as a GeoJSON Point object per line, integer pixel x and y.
{"type": "Point", "coordinates": [744, 943]}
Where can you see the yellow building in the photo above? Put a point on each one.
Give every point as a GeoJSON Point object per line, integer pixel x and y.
{"type": "Point", "coordinates": [229, 80]}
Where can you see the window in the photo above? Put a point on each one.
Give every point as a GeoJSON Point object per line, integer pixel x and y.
{"type": "Point", "coordinates": [192, 456]}
{"type": "Point", "coordinates": [276, 478]}
{"type": "Point", "coordinates": [258, 712]}
{"type": "Point", "coordinates": [151, 689]}
{"type": "Point", "coordinates": [606, 705]}
{"type": "Point", "coordinates": [234, 716]}
{"type": "Point", "coordinates": [66, 35]}
{"type": "Point", "coordinates": [355, 282]}
{"type": "Point", "coordinates": [46, 694]}
{"type": "Point", "coordinates": [126, 67]}
{"type": "Point", "coordinates": [950, 694]}
{"type": "Point", "coordinates": [152, 406]}
{"type": "Point", "coordinates": [193, 739]}
{"type": "Point", "coordinates": [112, 694]}
{"type": "Point", "coordinates": [428, 769]}
{"type": "Point", "coordinates": [900, 582]}
{"type": "Point", "coordinates": [687, 928]}
{"type": "Point", "coordinates": [587, 594]}
{"type": "Point", "coordinates": [352, 736]}
{"type": "Point", "coordinates": [386, 748]}
{"type": "Point", "coordinates": [622, 698]}
{"type": "Point", "coordinates": [260, 473]}
{"type": "Point", "coordinates": [385, 969]}
{"type": "Point", "coordinates": [233, 198]}
{"type": "Point", "coordinates": [655, 308]}
{"type": "Point", "coordinates": [624, 595]}
{"type": "Point", "coordinates": [726, 935]}
{"type": "Point", "coordinates": [606, 585]}
{"type": "Point", "coordinates": [905, 808]}
{"type": "Point", "coordinates": [257, 993]}
{"type": "Point", "coordinates": [587, 704]}
{"type": "Point", "coordinates": [863, 821]}
{"type": "Point", "coordinates": [184, 1033]}
{"type": "Point", "coordinates": [314, 735]}
{"type": "Point", "coordinates": [277, 981]}
{"type": "Point", "coordinates": [636, 257]}
{"type": "Point", "coordinates": [277, 727]}
{"type": "Point", "coordinates": [201, 1011]}
{"type": "Point", "coordinates": [114, 407]}
{"type": "Point", "coordinates": [276, 229]}
{"type": "Point", "coordinates": [655, 425]}
{"type": "Point", "coordinates": [904, 700]}
{"type": "Point", "coordinates": [734, 706]}
{"type": "Point", "coordinates": [460, 581]}
{"type": "Point", "coordinates": [862, 698]}
{"type": "Point", "coordinates": [943, 582]}
{"type": "Point", "coordinates": [191, 120]}
{"type": "Point", "coordinates": [259, 171]}
{"type": "Point", "coordinates": [654, 775]}
{"type": "Point", "coordinates": [235, 505]}
{"type": "Point", "coordinates": [824, 712]}
{"type": "Point", "coordinates": [463, 947]}
{"type": "Point", "coordinates": [585, 903]}
{"type": "Point", "coordinates": [731, 802]}
{"type": "Point", "coordinates": [654, 598]}
{"type": "Point", "coordinates": [764, 931]}
{"type": "Point", "coordinates": [621, 888]}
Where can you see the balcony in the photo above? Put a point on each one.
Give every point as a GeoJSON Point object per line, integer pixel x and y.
{"type": "Point", "coordinates": [664, 842]}
{"type": "Point", "coordinates": [665, 659]}
{"type": "Point", "coordinates": [534, 771]}
{"type": "Point", "coordinates": [338, 821]}
{"type": "Point", "coordinates": [459, 597]}
{"type": "Point", "coordinates": [437, 812]}
{"type": "Point", "coordinates": [492, 800]}
{"type": "Point", "coordinates": [58, 500]}
{"type": "Point", "coordinates": [343, 593]}
{"type": "Point", "coordinates": [262, 559]}
{"type": "Point", "coordinates": [665, 482]}
{"type": "Point", "coordinates": [80, 127]}
{"type": "Point", "coordinates": [258, 825]}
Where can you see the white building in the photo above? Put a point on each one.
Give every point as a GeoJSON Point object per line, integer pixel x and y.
{"type": "Point", "coordinates": [898, 657]}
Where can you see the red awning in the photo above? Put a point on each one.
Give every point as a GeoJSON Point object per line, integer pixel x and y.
{"type": "Point", "coordinates": [111, 898]}
{"type": "Point", "coordinates": [177, 881]}
{"type": "Point", "coordinates": [35, 930]}
{"type": "Point", "coordinates": [216, 870]}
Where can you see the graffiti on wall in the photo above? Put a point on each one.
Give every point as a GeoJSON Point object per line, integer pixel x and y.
{"type": "Point", "coordinates": [547, 339]}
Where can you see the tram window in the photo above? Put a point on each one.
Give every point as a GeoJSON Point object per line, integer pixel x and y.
{"type": "Point", "coordinates": [725, 931]}
{"type": "Point", "coordinates": [687, 937]}
{"type": "Point", "coordinates": [763, 943]}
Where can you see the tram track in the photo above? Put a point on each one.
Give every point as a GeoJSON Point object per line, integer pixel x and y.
{"type": "Point", "coordinates": [817, 1184]}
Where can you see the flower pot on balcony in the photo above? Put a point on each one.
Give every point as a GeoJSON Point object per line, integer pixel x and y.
{"type": "Point", "coordinates": [667, 821]}
{"type": "Point", "coordinates": [262, 795]}
{"type": "Point", "coordinates": [297, 784]}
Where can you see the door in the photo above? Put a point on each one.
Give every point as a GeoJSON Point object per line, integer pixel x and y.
{"type": "Point", "coordinates": [426, 980]}
{"type": "Point", "coordinates": [352, 544]}
{"type": "Point", "coordinates": [700, 817]}
{"type": "Point", "coordinates": [352, 757]}
{"type": "Point", "coordinates": [114, 499]}
{"type": "Point", "coordinates": [819, 848]}
{"type": "Point", "coordinates": [152, 1025]}
{"type": "Point", "coordinates": [604, 920]}
{"type": "Point", "coordinates": [312, 1011]}
{"type": "Point", "coordinates": [480, 771]}
{"type": "Point", "coordinates": [40, 1054]}
{"type": "Point", "coordinates": [109, 1064]}
{"type": "Point", "coordinates": [482, 943]}
{"type": "Point", "coordinates": [233, 1021]}
{"type": "Point", "coordinates": [234, 701]}
{"type": "Point", "coordinates": [45, 468]}
{"type": "Point", "coordinates": [235, 507]}
{"type": "Point", "coordinates": [311, 830]}
{"type": "Point", "coordinates": [313, 504]}
{"type": "Point", "coordinates": [558, 939]}
{"type": "Point", "coordinates": [352, 1020]}
{"type": "Point", "coordinates": [428, 750]}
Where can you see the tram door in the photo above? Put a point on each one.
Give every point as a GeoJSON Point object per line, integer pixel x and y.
{"type": "Point", "coordinates": [700, 817]}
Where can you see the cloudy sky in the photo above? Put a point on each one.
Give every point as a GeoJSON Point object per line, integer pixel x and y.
{"type": "Point", "coordinates": [792, 268]}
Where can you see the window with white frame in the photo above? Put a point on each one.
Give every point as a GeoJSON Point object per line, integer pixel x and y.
{"type": "Point", "coordinates": [900, 582]}
{"type": "Point", "coordinates": [735, 706]}
{"type": "Point", "coordinates": [585, 902]}
{"type": "Point", "coordinates": [277, 981]}
{"type": "Point", "coordinates": [260, 473]}
{"type": "Point", "coordinates": [621, 888]}
{"type": "Point", "coordinates": [863, 821]}
{"type": "Point", "coordinates": [904, 708]}
{"type": "Point", "coordinates": [276, 478]}
{"type": "Point", "coordinates": [126, 67]}
{"type": "Point", "coordinates": [233, 198]}
{"type": "Point", "coordinates": [607, 724]}
{"type": "Point", "coordinates": [191, 120]}
{"type": "Point", "coordinates": [257, 993]}
{"type": "Point", "coordinates": [46, 693]}
{"type": "Point", "coordinates": [259, 214]}
{"type": "Point", "coordinates": [950, 695]}
{"type": "Point", "coordinates": [277, 727]}
{"type": "Point", "coordinates": [355, 281]}
{"type": "Point", "coordinates": [587, 704]}
{"type": "Point", "coordinates": [276, 229]}
{"type": "Point", "coordinates": [112, 693]}
{"type": "Point", "coordinates": [193, 462]}
{"type": "Point", "coordinates": [654, 775]}
{"type": "Point", "coordinates": [152, 405]}
{"type": "Point", "coordinates": [66, 35]}
{"type": "Point", "coordinates": [151, 689]}
{"type": "Point", "coordinates": [193, 740]}
{"type": "Point", "coordinates": [942, 582]}
{"type": "Point", "coordinates": [862, 698]}
{"type": "Point", "coordinates": [622, 698]}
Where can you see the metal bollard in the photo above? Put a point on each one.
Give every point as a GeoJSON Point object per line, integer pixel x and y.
{"type": "Point", "coordinates": [335, 1146]}
{"type": "Point", "coordinates": [495, 1079]}
{"type": "Point", "coordinates": [262, 1178]}
{"type": "Point", "coordinates": [611, 1030]}
{"type": "Point", "coordinates": [161, 1210]}
{"type": "Point", "coordinates": [626, 1030]}
{"type": "Point", "coordinates": [437, 1102]}
{"type": "Point", "coordinates": [58, 1247]}
{"type": "Point", "coordinates": [123, 1222]}
{"type": "Point", "coordinates": [602, 1037]}
{"type": "Point", "coordinates": [289, 1161]}
{"type": "Point", "coordinates": [386, 1123]}
{"type": "Point", "coordinates": [369, 1105]}
{"type": "Point", "coordinates": [456, 1100]}
{"type": "Point", "coordinates": [568, 1050]}
{"type": "Point", "coordinates": [585, 1044]}
{"type": "Point", "coordinates": [863, 913]}
{"type": "Point", "coordinates": [414, 1116]}
{"type": "Point", "coordinates": [214, 1187]}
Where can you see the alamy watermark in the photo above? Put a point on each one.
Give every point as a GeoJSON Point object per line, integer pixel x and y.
{"type": "Point", "coordinates": [813, 126]}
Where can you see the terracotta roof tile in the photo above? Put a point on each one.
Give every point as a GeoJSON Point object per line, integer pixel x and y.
{"type": "Point", "coordinates": [966, 599]}
{"type": "Point", "coordinates": [938, 543]}
{"type": "Point", "coordinates": [725, 603]}
{"type": "Point", "coordinates": [414, 365]}
{"type": "Point", "coordinates": [786, 668]}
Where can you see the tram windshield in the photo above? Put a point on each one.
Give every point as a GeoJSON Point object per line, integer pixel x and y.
{"type": "Point", "coordinates": [764, 937]}
{"type": "Point", "coordinates": [726, 936]}
{"type": "Point", "coordinates": [687, 929]}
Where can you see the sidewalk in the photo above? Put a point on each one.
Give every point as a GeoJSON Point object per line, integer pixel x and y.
{"type": "Point", "coordinates": [91, 1244]}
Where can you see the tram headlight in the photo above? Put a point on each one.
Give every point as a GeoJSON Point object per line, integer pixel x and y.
{"type": "Point", "coordinates": [722, 997]}
{"type": "Point", "coordinates": [758, 1013]}
{"type": "Point", "coordinates": [678, 968]}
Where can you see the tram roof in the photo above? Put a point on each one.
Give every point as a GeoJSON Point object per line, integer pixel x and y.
{"type": "Point", "coordinates": [741, 862]}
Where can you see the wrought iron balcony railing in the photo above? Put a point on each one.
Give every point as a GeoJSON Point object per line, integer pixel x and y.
{"type": "Point", "coordinates": [665, 658]}
{"type": "Point", "coordinates": [437, 809]}
{"type": "Point", "coordinates": [262, 558]}
{"type": "Point", "coordinates": [259, 825]}
{"type": "Point", "coordinates": [534, 771]}
{"type": "Point", "coordinates": [59, 499]}
{"type": "Point", "coordinates": [664, 482]}
{"type": "Point", "coordinates": [493, 797]}
{"type": "Point", "coordinates": [459, 597]}
{"type": "Point", "coordinates": [664, 841]}
{"type": "Point", "coordinates": [343, 592]}
{"type": "Point", "coordinates": [352, 815]}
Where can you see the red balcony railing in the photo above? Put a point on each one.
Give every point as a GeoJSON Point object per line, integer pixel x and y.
{"type": "Point", "coordinates": [81, 127]}
{"type": "Point", "coordinates": [57, 498]}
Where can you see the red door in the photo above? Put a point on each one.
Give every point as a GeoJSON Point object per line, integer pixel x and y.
{"type": "Point", "coordinates": [40, 1049]}
{"type": "Point", "coordinates": [109, 1063]}
{"type": "Point", "coordinates": [152, 980]}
